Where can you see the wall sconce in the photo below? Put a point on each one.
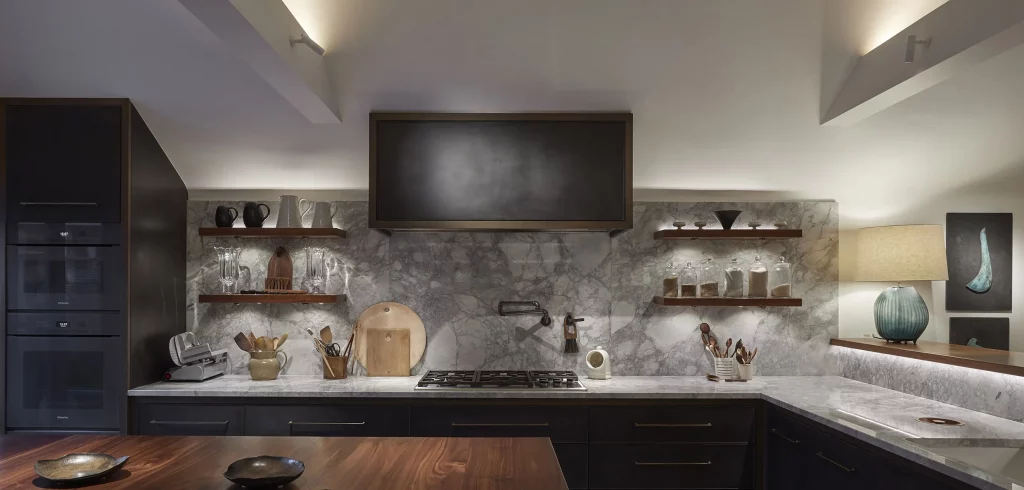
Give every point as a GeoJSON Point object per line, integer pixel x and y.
{"type": "Point", "coordinates": [304, 39]}
{"type": "Point", "coordinates": [912, 43]}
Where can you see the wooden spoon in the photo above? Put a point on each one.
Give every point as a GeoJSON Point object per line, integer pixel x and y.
{"type": "Point", "coordinates": [728, 344]}
{"type": "Point", "coordinates": [714, 348]}
{"type": "Point", "coordinates": [281, 340]}
{"type": "Point", "coordinates": [326, 335]}
{"type": "Point", "coordinates": [242, 341]}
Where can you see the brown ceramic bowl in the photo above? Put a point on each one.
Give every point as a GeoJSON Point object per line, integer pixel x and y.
{"type": "Point", "coordinates": [79, 467]}
{"type": "Point", "coordinates": [264, 471]}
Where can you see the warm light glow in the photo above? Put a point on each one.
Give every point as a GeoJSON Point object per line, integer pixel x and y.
{"type": "Point", "coordinates": [310, 19]}
{"type": "Point", "coordinates": [890, 18]}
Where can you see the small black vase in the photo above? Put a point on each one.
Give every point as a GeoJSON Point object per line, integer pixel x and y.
{"type": "Point", "coordinates": [252, 216]}
{"type": "Point", "coordinates": [225, 216]}
{"type": "Point", "coordinates": [727, 217]}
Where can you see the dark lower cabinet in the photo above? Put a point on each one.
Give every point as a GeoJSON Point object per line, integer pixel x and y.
{"type": "Point", "coordinates": [327, 421]}
{"type": "Point", "coordinates": [671, 465]}
{"type": "Point", "coordinates": [573, 460]}
{"type": "Point", "coordinates": [173, 419]}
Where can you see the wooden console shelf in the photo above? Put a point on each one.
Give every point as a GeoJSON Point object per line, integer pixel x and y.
{"type": "Point", "coordinates": [746, 234]}
{"type": "Point", "coordinates": [997, 361]}
{"type": "Point", "coordinates": [271, 298]}
{"type": "Point", "coordinates": [668, 301]}
{"type": "Point", "coordinates": [273, 232]}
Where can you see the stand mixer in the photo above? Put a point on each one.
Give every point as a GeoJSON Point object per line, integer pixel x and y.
{"type": "Point", "coordinates": [194, 361]}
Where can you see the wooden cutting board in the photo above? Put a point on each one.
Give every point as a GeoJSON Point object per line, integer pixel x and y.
{"type": "Point", "coordinates": [390, 315]}
{"type": "Point", "coordinates": [280, 266]}
{"type": "Point", "coordinates": [387, 352]}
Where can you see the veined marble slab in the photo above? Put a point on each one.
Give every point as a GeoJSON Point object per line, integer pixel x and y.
{"type": "Point", "coordinates": [878, 416]}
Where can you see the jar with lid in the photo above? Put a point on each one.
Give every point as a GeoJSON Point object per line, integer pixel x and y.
{"type": "Point", "coordinates": [670, 284]}
{"type": "Point", "coordinates": [757, 281]}
{"type": "Point", "coordinates": [688, 281]}
{"type": "Point", "coordinates": [710, 277]}
{"type": "Point", "coordinates": [781, 279]}
{"type": "Point", "coordinates": [733, 280]}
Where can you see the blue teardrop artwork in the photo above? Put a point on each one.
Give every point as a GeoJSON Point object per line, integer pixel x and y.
{"type": "Point", "coordinates": [983, 281]}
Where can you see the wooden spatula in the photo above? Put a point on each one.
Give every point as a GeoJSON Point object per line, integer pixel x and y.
{"type": "Point", "coordinates": [326, 335]}
{"type": "Point", "coordinates": [242, 341]}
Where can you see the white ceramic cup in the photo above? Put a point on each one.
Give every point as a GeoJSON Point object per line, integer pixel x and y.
{"type": "Point", "coordinates": [745, 371]}
{"type": "Point", "coordinates": [724, 368]}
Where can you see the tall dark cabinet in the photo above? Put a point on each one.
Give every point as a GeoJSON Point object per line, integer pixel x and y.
{"type": "Point", "coordinates": [94, 232]}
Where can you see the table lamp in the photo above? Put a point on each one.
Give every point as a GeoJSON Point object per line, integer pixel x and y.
{"type": "Point", "coordinates": [901, 254]}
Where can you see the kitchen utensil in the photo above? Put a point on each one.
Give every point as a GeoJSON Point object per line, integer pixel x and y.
{"type": "Point", "coordinates": [281, 340]}
{"type": "Point", "coordinates": [227, 263]}
{"type": "Point", "coordinates": [387, 352]}
{"type": "Point", "coordinates": [279, 270]}
{"type": "Point", "coordinates": [712, 377]}
{"type": "Point", "coordinates": [727, 217]}
{"type": "Point", "coordinates": [728, 344]}
{"type": "Point", "coordinates": [264, 471]}
{"type": "Point", "coordinates": [252, 215]}
{"type": "Point", "coordinates": [265, 365]}
{"type": "Point", "coordinates": [243, 342]}
{"type": "Point", "coordinates": [316, 267]}
{"type": "Point", "coordinates": [599, 365]}
{"type": "Point", "coordinates": [323, 214]}
{"type": "Point", "coordinates": [326, 335]}
{"type": "Point", "coordinates": [571, 331]}
{"type": "Point", "coordinates": [225, 216]}
{"type": "Point", "coordinates": [714, 347]}
{"type": "Point", "coordinates": [79, 467]}
{"type": "Point", "coordinates": [252, 338]}
{"type": "Point", "coordinates": [390, 315]}
{"type": "Point", "coordinates": [319, 344]}
{"type": "Point", "coordinates": [288, 214]}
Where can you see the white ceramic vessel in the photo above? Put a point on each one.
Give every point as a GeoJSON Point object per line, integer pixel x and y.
{"type": "Point", "coordinates": [288, 214]}
{"type": "Point", "coordinates": [599, 365]}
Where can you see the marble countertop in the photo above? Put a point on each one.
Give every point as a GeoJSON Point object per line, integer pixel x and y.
{"type": "Point", "coordinates": [878, 416]}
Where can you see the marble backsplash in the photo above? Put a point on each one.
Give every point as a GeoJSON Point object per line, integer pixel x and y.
{"type": "Point", "coordinates": [455, 280]}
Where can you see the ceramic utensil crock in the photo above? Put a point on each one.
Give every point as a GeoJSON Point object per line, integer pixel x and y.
{"type": "Point", "coordinates": [265, 365]}
{"type": "Point", "coordinates": [599, 366]}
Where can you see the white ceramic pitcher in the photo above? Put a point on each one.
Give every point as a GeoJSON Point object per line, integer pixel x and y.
{"type": "Point", "coordinates": [288, 214]}
{"type": "Point", "coordinates": [323, 214]}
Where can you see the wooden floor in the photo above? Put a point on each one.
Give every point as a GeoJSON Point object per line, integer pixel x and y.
{"type": "Point", "coordinates": [331, 463]}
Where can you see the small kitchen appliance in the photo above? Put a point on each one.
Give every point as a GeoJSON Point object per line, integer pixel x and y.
{"type": "Point", "coordinates": [194, 361]}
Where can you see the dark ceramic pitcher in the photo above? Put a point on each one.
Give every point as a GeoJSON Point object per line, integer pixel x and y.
{"type": "Point", "coordinates": [252, 216]}
{"type": "Point", "coordinates": [225, 216]}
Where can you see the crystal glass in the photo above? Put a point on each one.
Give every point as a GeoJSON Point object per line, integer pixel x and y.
{"type": "Point", "coordinates": [688, 280]}
{"type": "Point", "coordinates": [733, 279]}
{"type": "Point", "coordinates": [227, 263]}
{"type": "Point", "coordinates": [316, 268]}
{"type": "Point", "coordinates": [710, 279]}
{"type": "Point", "coordinates": [781, 279]}
{"type": "Point", "coordinates": [670, 284]}
{"type": "Point", "coordinates": [757, 283]}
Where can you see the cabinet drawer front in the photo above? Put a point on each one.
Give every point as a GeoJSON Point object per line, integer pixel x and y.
{"type": "Point", "coordinates": [561, 424]}
{"type": "Point", "coordinates": [573, 460]}
{"type": "Point", "coordinates": [672, 424]}
{"type": "Point", "coordinates": [190, 420]}
{"type": "Point", "coordinates": [828, 458]}
{"type": "Point", "coordinates": [327, 421]}
{"type": "Point", "coordinates": [671, 466]}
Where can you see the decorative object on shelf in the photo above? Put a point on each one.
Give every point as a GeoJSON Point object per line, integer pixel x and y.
{"type": "Point", "coordinates": [723, 301]}
{"type": "Point", "coordinates": [733, 280]}
{"type": "Point", "coordinates": [899, 254]}
{"type": "Point", "coordinates": [264, 471]}
{"type": "Point", "coordinates": [670, 284]}
{"type": "Point", "coordinates": [990, 333]}
{"type": "Point", "coordinates": [288, 214]}
{"type": "Point", "coordinates": [279, 271]}
{"type": "Point", "coordinates": [780, 280]}
{"type": "Point", "coordinates": [757, 282]}
{"type": "Point", "coordinates": [679, 224]}
{"type": "Point", "coordinates": [710, 276]}
{"type": "Point", "coordinates": [599, 364]}
{"type": "Point", "coordinates": [79, 468]}
{"type": "Point", "coordinates": [980, 257]}
{"type": "Point", "coordinates": [253, 216]}
{"type": "Point", "coordinates": [570, 330]}
{"type": "Point", "coordinates": [227, 264]}
{"type": "Point", "coordinates": [688, 281]}
{"type": "Point", "coordinates": [754, 225]}
{"type": "Point", "coordinates": [727, 217]}
{"type": "Point", "coordinates": [225, 216]}
{"type": "Point", "coordinates": [389, 315]}
{"type": "Point", "coordinates": [273, 232]}
{"type": "Point", "coordinates": [316, 268]}
{"type": "Point", "coordinates": [323, 214]}
{"type": "Point", "coordinates": [700, 224]}
{"type": "Point", "coordinates": [781, 225]}
{"type": "Point", "coordinates": [272, 297]}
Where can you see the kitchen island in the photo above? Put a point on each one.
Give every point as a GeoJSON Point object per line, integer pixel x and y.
{"type": "Point", "coordinates": [198, 463]}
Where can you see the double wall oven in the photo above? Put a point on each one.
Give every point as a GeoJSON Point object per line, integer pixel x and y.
{"type": "Point", "coordinates": [65, 326]}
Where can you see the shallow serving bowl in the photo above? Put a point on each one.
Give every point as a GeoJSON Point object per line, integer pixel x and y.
{"type": "Point", "coordinates": [264, 471]}
{"type": "Point", "coordinates": [79, 467]}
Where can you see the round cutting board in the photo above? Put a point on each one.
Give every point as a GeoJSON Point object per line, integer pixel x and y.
{"type": "Point", "coordinates": [391, 315]}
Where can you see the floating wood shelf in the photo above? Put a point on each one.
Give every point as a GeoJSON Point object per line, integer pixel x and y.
{"type": "Point", "coordinates": [273, 232]}
{"type": "Point", "coordinates": [667, 301]}
{"type": "Point", "coordinates": [997, 361]}
{"type": "Point", "coordinates": [747, 234]}
{"type": "Point", "coordinates": [271, 298]}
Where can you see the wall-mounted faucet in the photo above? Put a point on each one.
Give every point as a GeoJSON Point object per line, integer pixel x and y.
{"type": "Point", "coordinates": [535, 308]}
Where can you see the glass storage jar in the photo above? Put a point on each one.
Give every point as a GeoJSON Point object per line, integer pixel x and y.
{"type": "Point", "coordinates": [757, 282]}
{"type": "Point", "coordinates": [781, 279]}
{"type": "Point", "coordinates": [670, 284]}
{"type": "Point", "coordinates": [688, 281]}
{"type": "Point", "coordinates": [710, 277]}
{"type": "Point", "coordinates": [733, 280]}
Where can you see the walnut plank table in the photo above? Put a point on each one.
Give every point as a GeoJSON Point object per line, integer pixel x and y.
{"type": "Point", "coordinates": [337, 463]}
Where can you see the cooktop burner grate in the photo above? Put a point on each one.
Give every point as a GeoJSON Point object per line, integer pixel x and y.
{"type": "Point", "coordinates": [502, 380]}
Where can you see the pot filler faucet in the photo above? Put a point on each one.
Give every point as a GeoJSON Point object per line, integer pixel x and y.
{"type": "Point", "coordinates": [534, 308]}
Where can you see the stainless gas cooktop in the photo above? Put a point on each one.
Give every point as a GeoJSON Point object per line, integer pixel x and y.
{"type": "Point", "coordinates": [501, 380]}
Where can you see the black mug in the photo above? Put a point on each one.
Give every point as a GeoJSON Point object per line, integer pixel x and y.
{"type": "Point", "coordinates": [225, 216]}
{"type": "Point", "coordinates": [252, 216]}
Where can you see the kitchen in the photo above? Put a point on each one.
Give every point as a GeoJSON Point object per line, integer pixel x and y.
{"type": "Point", "coordinates": [433, 245]}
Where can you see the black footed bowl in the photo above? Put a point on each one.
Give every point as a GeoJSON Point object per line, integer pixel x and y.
{"type": "Point", "coordinates": [264, 471]}
{"type": "Point", "coordinates": [727, 217]}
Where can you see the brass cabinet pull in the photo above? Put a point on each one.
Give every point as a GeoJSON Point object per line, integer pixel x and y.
{"type": "Point", "coordinates": [794, 441]}
{"type": "Point", "coordinates": [706, 424]}
{"type": "Point", "coordinates": [326, 423]}
{"type": "Point", "coordinates": [684, 463]}
{"type": "Point", "coordinates": [59, 204]}
{"type": "Point", "coordinates": [457, 424]}
{"type": "Point", "coordinates": [182, 422]}
{"type": "Point", "coordinates": [826, 458]}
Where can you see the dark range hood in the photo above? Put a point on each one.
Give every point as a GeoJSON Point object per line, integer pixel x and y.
{"type": "Point", "coordinates": [501, 172]}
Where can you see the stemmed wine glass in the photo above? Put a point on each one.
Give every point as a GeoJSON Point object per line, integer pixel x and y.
{"type": "Point", "coordinates": [227, 261]}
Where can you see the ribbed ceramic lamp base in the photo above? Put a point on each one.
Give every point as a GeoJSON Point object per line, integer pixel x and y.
{"type": "Point", "coordinates": [900, 314]}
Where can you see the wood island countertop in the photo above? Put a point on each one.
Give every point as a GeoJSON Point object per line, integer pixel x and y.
{"type": "Point", "coordinates": [336, 463]}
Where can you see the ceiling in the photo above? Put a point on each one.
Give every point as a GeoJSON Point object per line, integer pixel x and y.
{"type": "Point", "coordinates": [726, 96]}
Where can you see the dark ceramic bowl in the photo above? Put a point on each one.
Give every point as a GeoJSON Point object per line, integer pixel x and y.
{"type": "Point", "coordinates": [79, 467]}
{"type": "Point", "coordinates": [264, 471]}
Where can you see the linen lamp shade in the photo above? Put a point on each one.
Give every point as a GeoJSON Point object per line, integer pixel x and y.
{"type": "Point", "coordinates": [901, 253]}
